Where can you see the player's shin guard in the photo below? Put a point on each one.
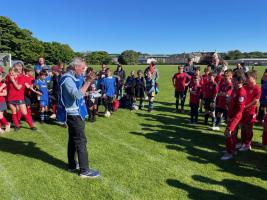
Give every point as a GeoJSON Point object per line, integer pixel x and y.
{"type": "Point", "coordinates": [54, 108]}
{"type": "Point", "coordinates": [15, 120]}
{"type": "Point", "coordinates": [28, 119]}
{"type": "Point", "coordinates": [182, 103]}
{"type": "Point", "coordinates": [29, 111]}
{"type": "Point", "coordinates": [42, 116]}
{"type": "Point", "coordinates": [19, 115]}
{"type": "Point", "coordinates": [243, 134]}
{"type": "Point", "coordinates": [229, 144]}
{"type": "Point", "coordinates": [248, 135]}
{"type": "Point", "coordinates": [206, 118]}
{"type": "Point", "coordinates": [213, 121]}
{"type": "Point", "coordinates": [177, 103]}
{"type": "Point", "coordinates": [150, 105]}
{"type": "Point", "coordinates": [4, 121]}
{"type": "Point", "coordinates": [46, 117]}
{"type": "Point", "coordinates": [218, 121]}
{"type": "Point", "coordinates": [141, 104]}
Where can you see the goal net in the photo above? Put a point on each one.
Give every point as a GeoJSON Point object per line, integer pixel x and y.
{"type": "Point", "coordinates": [5, 59]}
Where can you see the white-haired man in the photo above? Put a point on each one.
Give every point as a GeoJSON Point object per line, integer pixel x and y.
{"type": "Point", "coordinates": [72, 110]}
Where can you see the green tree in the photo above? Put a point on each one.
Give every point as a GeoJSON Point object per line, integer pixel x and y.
{"type": "Point", "coordinates": [18, 42]}
{"type": "Point", "coordinates": [98, 58]}
{"type": "Point", "coordinates": [129, 57]}
{"type": "Point", "coordinates": [56, 52]}
{"type": "Point", "coordinates": [234, 54]}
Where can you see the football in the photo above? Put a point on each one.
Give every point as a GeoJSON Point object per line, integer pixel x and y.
{"type": "Point", "coordinates": [107, 114]}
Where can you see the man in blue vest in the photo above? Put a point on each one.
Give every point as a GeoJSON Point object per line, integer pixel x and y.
{"type": "Point", "coordinates": [72, 110]}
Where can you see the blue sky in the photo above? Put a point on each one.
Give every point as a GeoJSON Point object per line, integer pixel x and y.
{"type": "Point", "coordinates": [169, 26]}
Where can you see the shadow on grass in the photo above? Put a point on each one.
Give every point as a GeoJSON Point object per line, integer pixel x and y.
{"type": "Point", "coordinates": [202, 146]}
{"type": "Point", "coordinates": [30, 150]}
{"type": "Point", "coordinates": [236, 189]}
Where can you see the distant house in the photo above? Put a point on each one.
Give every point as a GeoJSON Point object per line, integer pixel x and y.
{"type": "Point", "coordinates": [177, 58]}
{"type": "Point", "coordinates": [115, 58]}
{"type": "Point", "coordinates": [145, 59]}
{"type": "Point", "coordinates": [252, 61]}
{"type": "Point", "coordinates": [197, 57]}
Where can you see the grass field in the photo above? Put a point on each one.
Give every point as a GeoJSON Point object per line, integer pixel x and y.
{"type": "Point", "coordinates": [139, 155]}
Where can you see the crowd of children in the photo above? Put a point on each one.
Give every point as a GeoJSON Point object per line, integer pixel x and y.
{"type": "Point", "coordinates": [230, 97]}
{"type": "Point", "coordinates": [25, 88]}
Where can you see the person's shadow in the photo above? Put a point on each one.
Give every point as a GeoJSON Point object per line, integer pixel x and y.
{"type": "Point", "coordinates": [30, 150]}
{"type": "Point", "coordinates": [237, 189]}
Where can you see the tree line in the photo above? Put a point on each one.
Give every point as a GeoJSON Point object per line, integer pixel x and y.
{"type": "Point", "coordinates": [23, 46]}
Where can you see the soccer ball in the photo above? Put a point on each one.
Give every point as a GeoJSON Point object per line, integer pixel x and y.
{"type": "Point", "coordinates": [107, 114]}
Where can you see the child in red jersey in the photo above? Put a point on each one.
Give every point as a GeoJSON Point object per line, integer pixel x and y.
{"type": "Point", "coordinates": [194, 100]}
{"type": "Point", "coordinates": [219, 77]}
{"type": "Point", "coordinates": [196, 76]}
{"type": "Point", "coordinates": [203, 81]}
{"type": "Point", "coordinates": [15, 97]}
{"type": "Point", "coordinates": [210, 90]}
{"type": "Point", "coordinates": [29, 79]}
{"type": "Point", "coordinates": [225, 90]}
{"type": "Point", "coordinates": [249, 114]}
{"type": "Point", "coordinates": [235, 110]}
{"type": "Point", "coordinates": [3, 107]}
{"type": "Point", "coordinates": [179, 81]}
{"type": "Point", "coordinates": [205, 77]}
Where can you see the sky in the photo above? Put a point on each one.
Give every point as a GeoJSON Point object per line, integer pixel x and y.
{"type": "Point", "coordinates": [147, 26]}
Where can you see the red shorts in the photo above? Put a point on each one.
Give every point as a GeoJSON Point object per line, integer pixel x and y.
{"type": "Point", "coordinates": [265, 118]}
{"type": "Point", "coordinates": [232, 124]}
{"type": "Point", "coordinates": [248, 118]}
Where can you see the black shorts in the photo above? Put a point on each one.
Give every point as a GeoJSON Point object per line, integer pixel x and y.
{"type": "Point", "coordinates": [28, 101]}
{"type": "Point", "coordinates": [220, 110]}
{"type": "Point", "coordinates": [16, 102]}
{"type": "Point", "coordinates": [207, 104]}
{"type": "Point", "coordinates": [179, 94]}
{"type": "Point", "coordinates": [3, 106]}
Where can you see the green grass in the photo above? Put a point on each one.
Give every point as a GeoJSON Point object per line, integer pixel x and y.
{"type": "Point", "coordinates": [140, 156]}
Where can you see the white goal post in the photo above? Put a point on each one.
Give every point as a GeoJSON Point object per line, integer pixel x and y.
{"type": "Point", "coordinates": [5, 59]}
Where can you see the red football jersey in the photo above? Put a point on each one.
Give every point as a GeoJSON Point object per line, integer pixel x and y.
{"type": "Point", "coordinates": [204, 79]}
{"type": "Point", "coordinates": [180, 80]}
{"type": "Point", "coordinates": [210, 90]}
{"type": "Point", "coordinates": [218, 79]}
{"type": "Point", "coordinates": [195, 95]}
{"type": "Point", "coordinates": [237, 103]}
{"type": "Point", "coordinates": [2, 98]}
{"type": "Point", "coordinates": [253, 93]}
{"type": "Point", "coordinates": [28, 79]}
{"type": "Point", "coordinates": [225, 90]}
{"type": "Point", "coordinates": [12, 93]}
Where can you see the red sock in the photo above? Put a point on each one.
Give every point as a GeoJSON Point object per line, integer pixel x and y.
{"type": "Point", "coordinates": [4, 121]}
{"type": "Point", "coordinates": [15, 120]}
{"type": "Point", "coordinates": [28, 119]}
{"type": "Point", "coordinates": [243, 135]}
{"type": "Point", "coordinates": [54, 108]}
{"type": "Point", "coordinates": [234, 142]}
{"type": "Point", "coordinates": [18, 115]}
{"type": "Point", "coordinates": [29, 111]}
{"type": "Point", "coordinates": [229, 144]}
